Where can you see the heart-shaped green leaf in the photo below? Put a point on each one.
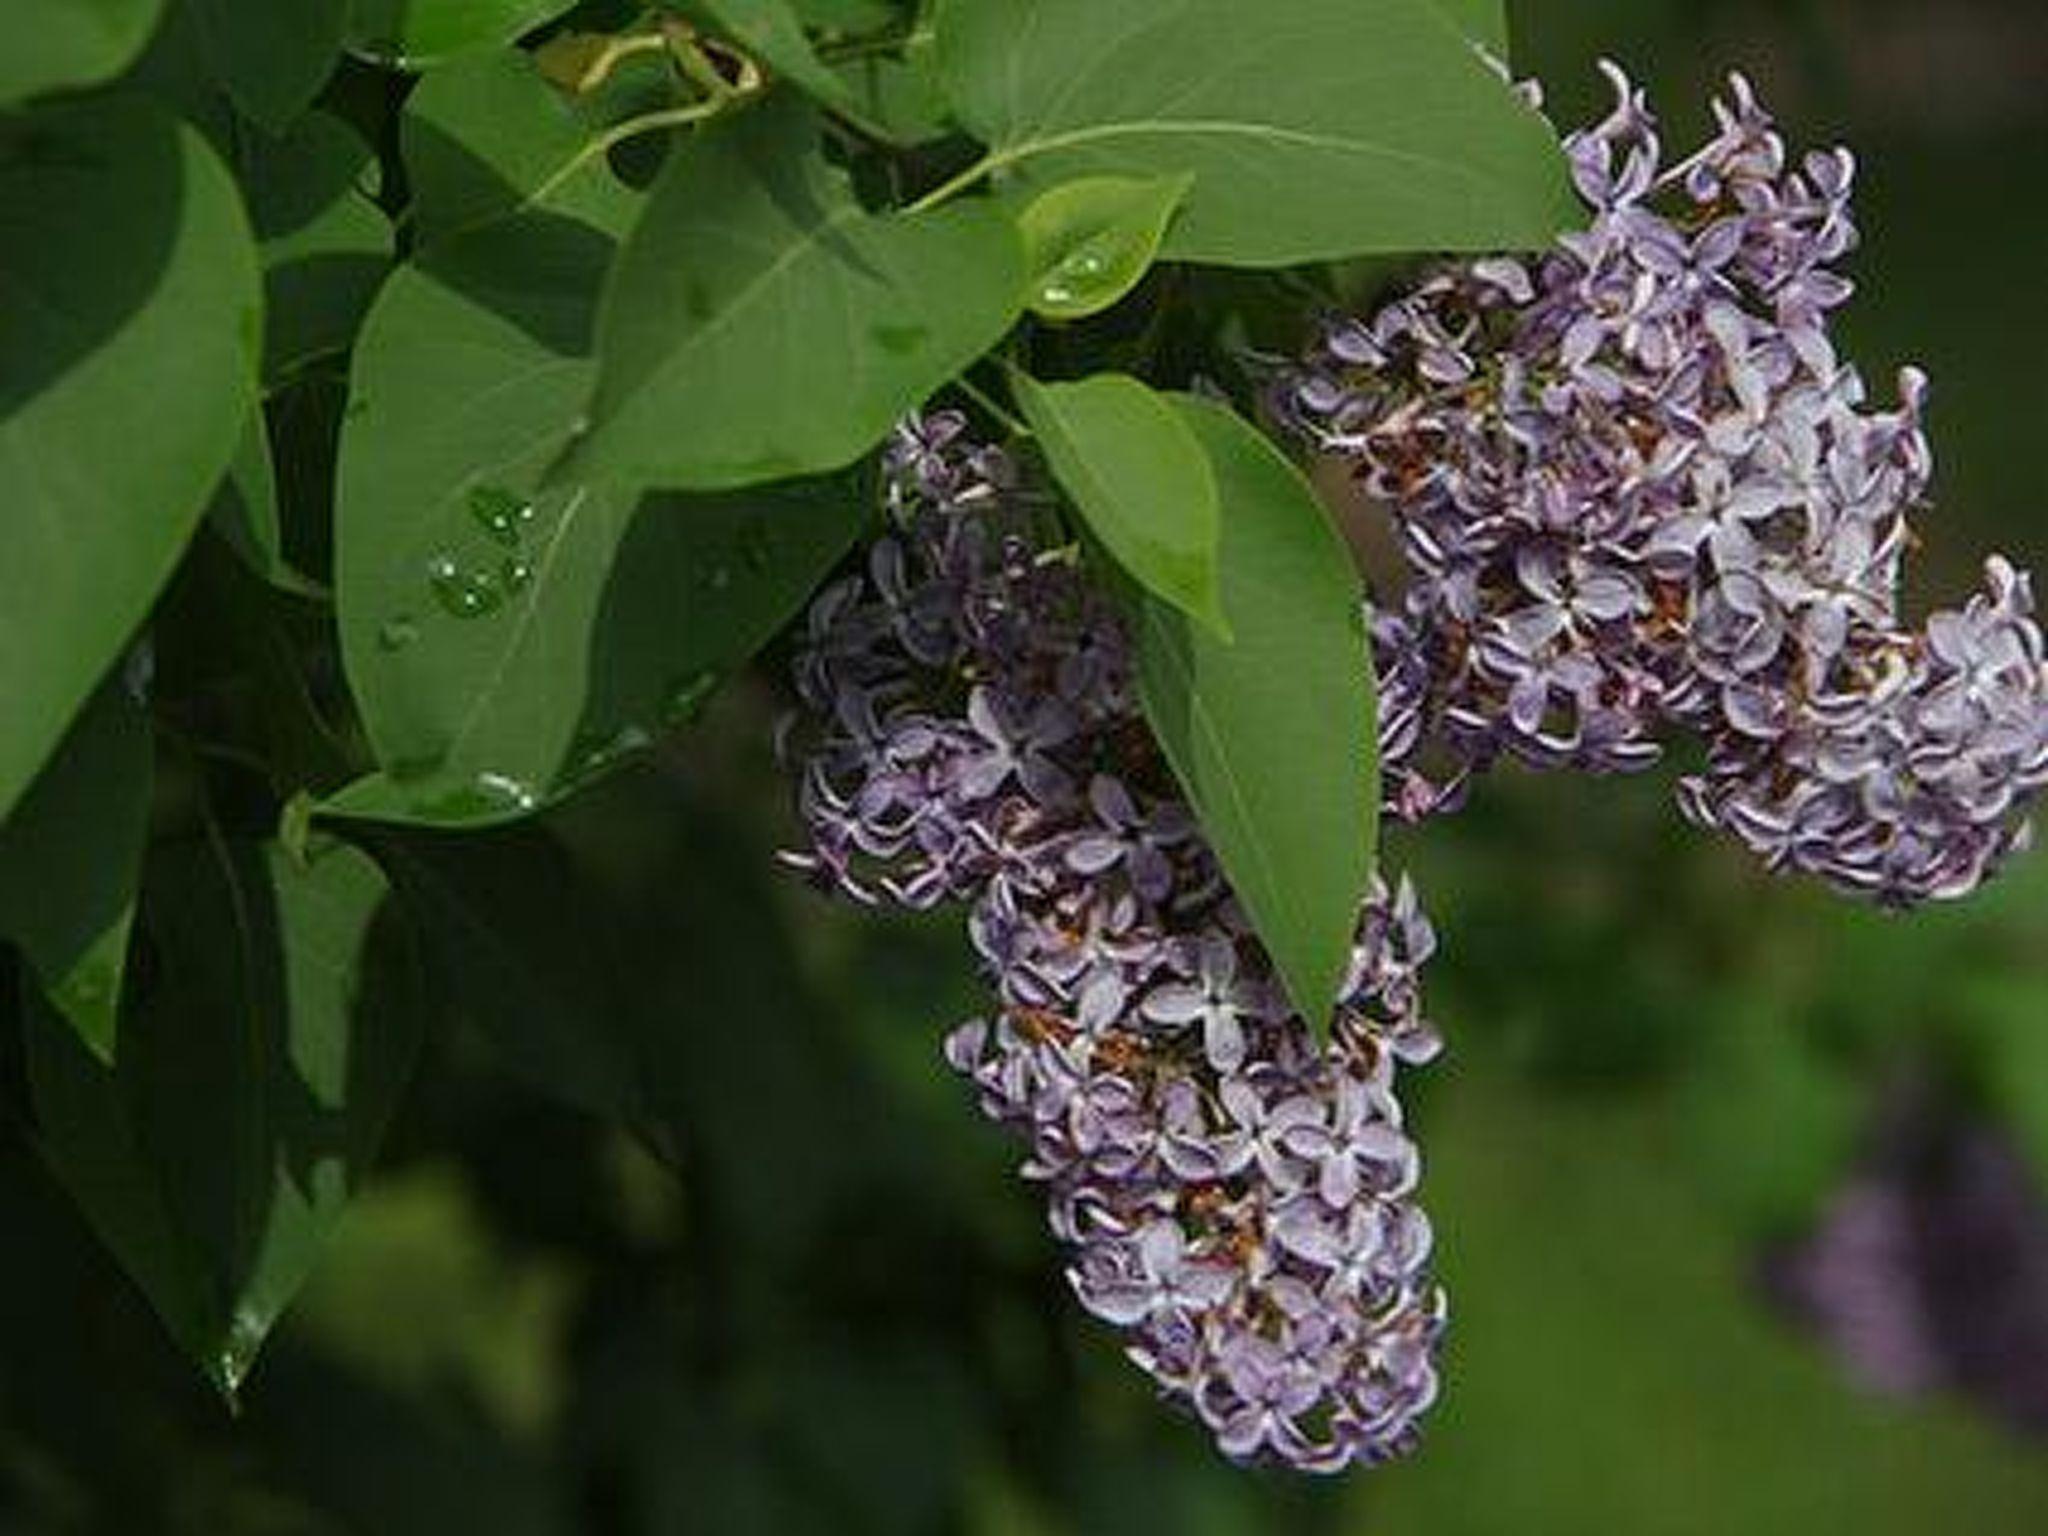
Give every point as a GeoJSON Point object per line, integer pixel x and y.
{"type": "Point", "coordinates": [128, 281]}
{"type": "Point", "coordinates": [1316, 129]}
{"type": "Point", "coordinates": [1088, 242]}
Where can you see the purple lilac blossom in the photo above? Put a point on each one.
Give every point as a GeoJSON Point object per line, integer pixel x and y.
{"type": "Point", "coordinates": [1234, 1198]}
{"type": "Point", "coordinates": [1638, 492]}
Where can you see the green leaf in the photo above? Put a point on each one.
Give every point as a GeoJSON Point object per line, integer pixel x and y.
{"type": "Point", "coordinates": [1272, 735]}
{"type": "Point", "coordinates": [273, 56]}
{"type": "Point", "coordinates": [128, 279]}
{"type": "Point", "coordinates": [326, 245]}
{"type": "Point", "coordinates": [1087, 243]}
{"type": "Point", "coordinates": [772, 32]}
{"type": "Point", "coordinates": [505, 640]}
{"type": "Point", "coordinates": [70, 860]}
{"type": "Point", "coordinates": [255, 1077]}
{"type": "Point", "coordinates": [418, 34]}
{"type": "Point", "coordinates": [1140, 479]}
{"type": "Point", "coordinates": [245, 514]}
{"type": "Point", "coordinates": [1315, 129]}
{"type": "Point", "coordinates": [52, 44]}
{"type": "Point", "coordinates": [487, 134]}
{"type": "Point", "coordinates": [1484, 21]}
{"type": "Point", "coordinates": [760, 324]}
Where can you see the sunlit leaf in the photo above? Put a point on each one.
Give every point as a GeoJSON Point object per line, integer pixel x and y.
{"type": "Point", "coordinates": [129, 285]}
{"type": "Point", "coordinates": [1315, 129]}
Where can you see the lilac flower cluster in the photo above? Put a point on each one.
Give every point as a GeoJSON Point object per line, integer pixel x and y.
{"type": "Point", "coordinates": [1236, 1199]}
{"type": "Point", "coordinates": [1636, 490]}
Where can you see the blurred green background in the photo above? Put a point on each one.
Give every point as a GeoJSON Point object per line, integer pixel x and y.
{"type": "Point", "coordinates": [809, 1295]}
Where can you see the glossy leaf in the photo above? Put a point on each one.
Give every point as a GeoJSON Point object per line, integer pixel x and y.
{"type": "Point", "coordinates": [1321, 129]}
{"type": "Point", "coordinates": [274, 55]}
{"type": "Point", "coordinates": [505, 640]}
{"type": "Point", "coordinates": [50, 45]}
{"type": "Point", "coordinates": [157, 324]}
{"type": "Point", "coordinates": [773, 32]}
{"type": "Point", "coordinates": [759, 323]}
{"type": "Point", "coordinates": [1139, 478]}
{"type": "Point", "coordinates": [1088, 242]}
{"type": "Point", "coordinates": [254, 1080]}
{"type": "Point", "coordinates": [487, 134]}
{"type": "Point", "coordinates": [417, 34]}
{"type": "Point", "coordinates": [71, 858]}
{"type": "Point", "coordinates": [1272, 735]}
{"type": "Point", "coordinates": [326, 245]}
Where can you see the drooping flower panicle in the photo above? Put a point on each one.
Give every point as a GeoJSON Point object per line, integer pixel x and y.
{"type": "Point", "coordinates": [1237, 1200]}
{"type": "Point", "coordinates": [1639, 493]}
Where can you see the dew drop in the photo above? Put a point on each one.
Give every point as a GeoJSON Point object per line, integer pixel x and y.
{"type": "Point", "coordinates": [516, 574]}
{"type": "Point", "coordinates": [500, 513]}
{"type": "Point", "coordinates": [502, 790]}
{"type": "Point", "coordinates": [465, 594]}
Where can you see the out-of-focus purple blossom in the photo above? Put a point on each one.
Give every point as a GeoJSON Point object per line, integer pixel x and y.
{"type": "Point", "coordinates": [1237, 1200]}
{"type": "Point", "coordinates": [1638, 492]}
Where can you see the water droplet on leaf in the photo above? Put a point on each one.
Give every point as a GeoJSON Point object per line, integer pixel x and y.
{"type": "Point", "coordinates": [465, 594]}
{"type": "Point", "coordinates": [500, 513]}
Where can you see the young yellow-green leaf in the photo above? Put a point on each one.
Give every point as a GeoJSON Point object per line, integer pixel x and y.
{"type": "Point", "coordinates": [70, 860]}
{"type": "Point", "coordinates": [1272, 734]}
{"type": "Point", "coordinates": [772, 32]}
{"type": "Point", "coordinates": [48, 45]}
{"type": "Point", "coordinates": [128, 282]}
{"type": "Point", "coordinates": [1139, 478]}
{"type": "Point", "coordinates": [255, 1076]}
{"type": "Point", "coordinates": [760, 324]}
{"type": "Point", "coordinates": [1316, 129]}
{"type": "Point", "coordinates": [273, 56]}
{"type": "Point", "coordinates": [1088, 242]}
{"type": "Point", "coordinates": [417, 34]}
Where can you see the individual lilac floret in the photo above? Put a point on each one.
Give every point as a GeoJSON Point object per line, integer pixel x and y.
{"type": "Point", "coordinates": [1237, 1200]}
{"type": "Point", "coordinates": [1637, 491]}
